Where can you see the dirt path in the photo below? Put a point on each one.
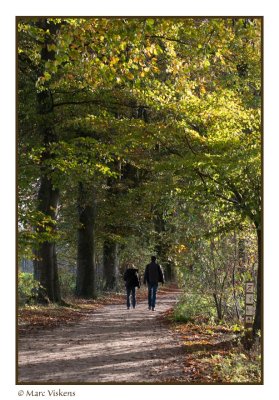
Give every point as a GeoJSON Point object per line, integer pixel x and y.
{"type": "Point", "coordinates": [113, 344]}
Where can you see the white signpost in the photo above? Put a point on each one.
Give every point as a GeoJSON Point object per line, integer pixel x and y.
{"type": "Point", "coordinates": [249, 298]}
{"type": "Point", "coordinates": [249, 304]}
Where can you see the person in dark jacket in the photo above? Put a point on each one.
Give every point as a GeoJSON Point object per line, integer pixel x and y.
{"type": "Point", "coordinates": [152, 276]}
{"type": "Point", "coordinates": [131, 277]}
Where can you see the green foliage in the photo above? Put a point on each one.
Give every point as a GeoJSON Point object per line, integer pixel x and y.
{"type": "Point", "coordinates": [215, 260]}
{"type": "Point", "coordinates": [159, 117]}
{"type": "Point", "coordinates": [28, 288]}
{"type": "Point", "coordinates": [193, 306]}
{"type": "Point", "coordinates": [239, 367]}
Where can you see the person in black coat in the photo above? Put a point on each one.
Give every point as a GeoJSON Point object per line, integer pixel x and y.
{"type": "Point", "coordinates": [152, 276]}
{"type": "Point", "coordinates": [131, 277]}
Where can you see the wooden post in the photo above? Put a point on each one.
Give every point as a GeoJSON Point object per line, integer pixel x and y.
{"type": "Point", "coordinates": [249, 304]}
{"type": "Point", "coordinates": [249, 314]}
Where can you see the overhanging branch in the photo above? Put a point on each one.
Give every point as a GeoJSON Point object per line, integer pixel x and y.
{"type": "Point", "coordinates": [96, 102]}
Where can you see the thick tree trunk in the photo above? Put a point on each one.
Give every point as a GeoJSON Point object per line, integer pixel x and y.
{"type": "Point", "coordinates": [111, 265]}
{"type": "Point", "coordinates": [257, 325]}
{"type": "Point", "coordinates": [86, 262]}
{"type": "Point", "coordinates": [45, 264]}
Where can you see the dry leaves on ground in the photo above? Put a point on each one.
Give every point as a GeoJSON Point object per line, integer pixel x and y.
{"type": "Point", "coordinates": [213, 353]}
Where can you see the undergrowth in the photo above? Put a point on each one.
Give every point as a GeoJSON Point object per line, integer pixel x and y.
{"type": "Point", "coordinates": [214, 349]}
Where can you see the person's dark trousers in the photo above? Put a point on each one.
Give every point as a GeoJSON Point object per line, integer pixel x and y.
{"type": "Point", "coordinates": [131, 290]}
{"type": "Point", "coordinates": [152, 291]}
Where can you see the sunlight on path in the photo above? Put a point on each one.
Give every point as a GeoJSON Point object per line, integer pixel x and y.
{"type": "Point", "coordinates": [111, 345]}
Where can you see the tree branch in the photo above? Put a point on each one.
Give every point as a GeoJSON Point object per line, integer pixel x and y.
{"type": "Point", "coordinates": [236, 201]}
{"type": "Point", "coordinates": [190, 146]}
{"type": "Point", "coordinates": [167, 38]}
{"type": "Point", "coordinates": [96, 102]}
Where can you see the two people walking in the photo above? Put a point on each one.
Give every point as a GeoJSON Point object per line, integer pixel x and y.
{"type": "Point", "coordinates": [153, 274]}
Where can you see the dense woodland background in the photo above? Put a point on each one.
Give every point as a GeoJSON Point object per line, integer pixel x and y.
{"type": "Point", "coordinates": [140, 136]}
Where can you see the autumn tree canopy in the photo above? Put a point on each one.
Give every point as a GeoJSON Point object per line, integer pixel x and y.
{"type": "Point", "coordinates": [137, 135]}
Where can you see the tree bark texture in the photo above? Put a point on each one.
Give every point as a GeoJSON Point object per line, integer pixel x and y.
{"type": "Point", "coordinates": [45, 264]}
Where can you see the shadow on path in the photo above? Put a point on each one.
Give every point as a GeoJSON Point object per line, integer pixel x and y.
{"type": "Point", "coordinates": [111, 345]}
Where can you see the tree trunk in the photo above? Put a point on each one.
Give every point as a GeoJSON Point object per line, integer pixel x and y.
{"type": "Point", "coordinates": [86, 262]}
{"type": "Point", "coordinates": [257, 325]}
{"type": "Point", "coordinates": [218, 304]}
{"type": "Point", "coordinates": [45, 264]}
{"type": "Point", "coordinates": [111, 265]}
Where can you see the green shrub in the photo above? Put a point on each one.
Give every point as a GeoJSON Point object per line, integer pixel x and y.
{"type": "Point", "coordinates": [28, 288]}
{"type": "Point", "coordinates": [238, 367]}
{"type": "Point", "coordinates": [192, 306]}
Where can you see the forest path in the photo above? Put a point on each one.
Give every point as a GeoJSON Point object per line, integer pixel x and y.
{"type": "Point", "coordinates": [112, 344]}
